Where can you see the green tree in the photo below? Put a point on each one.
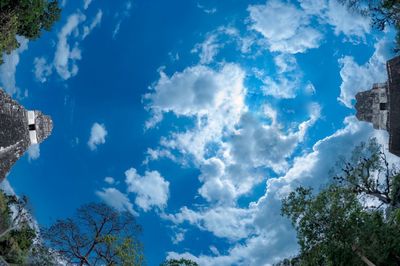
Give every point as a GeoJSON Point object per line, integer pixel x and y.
{"type": "Point", "coordinates": [180, 262]}
{"type": "Point", "coordinates": [16, 231]}
{"type": "Point", "coordinates": [335, 227]}
{"type": "Point", "coordinates": [27, 18]}
{"type": "Point", "coordinates": [97, 235]}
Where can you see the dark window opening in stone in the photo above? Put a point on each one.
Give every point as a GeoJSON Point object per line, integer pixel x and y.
{"type": "Point", "coordinates": [32, 127]}
{"type": "Point", "coordinates": [382, 106]}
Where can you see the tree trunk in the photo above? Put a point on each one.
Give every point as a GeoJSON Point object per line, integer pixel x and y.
{"type": "Point", "coordinates": [362, 257]}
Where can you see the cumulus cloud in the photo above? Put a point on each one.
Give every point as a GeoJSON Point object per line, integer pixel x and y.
{"type": "Point", "coordinates": [346, 22]}
{"type": "Point", "coordinates": [9, 68]}
{"type": "Point", "coordinates": [356, 77]}
{"type": "Point", "coordinates": [286, 28]}
{"type": "Point", "coordinates": [213, 98]}
{"type": "Point", "coordinates": [268, 236]}
{"type": "Point", "coordinates": [116, 199]}
{"type": "Point", "coordinates": [291, 29]}
{"type": "Point", "coordinates": [351, 24]}
{"type": "Point", "coordinates": [226, 222]}
{"type": "Point", "coordinates": [288, 79]}
{"type": "Point", "coordinates": [42, 69]}
{"type": "Point", "coordinates": [265, 145]}
{"type": "Point", "coordinates": [151, 189]}
{"type": "Point", "coordinates": [98, 135]}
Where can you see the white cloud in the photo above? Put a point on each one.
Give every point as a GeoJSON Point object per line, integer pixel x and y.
{"type": "Point", "coordinates": [121, 16]}
{"type": "Point", "coordinates": [357, 77]}
{"type": "Point", "coordinates": [95, 22]}
{"type": "Point", "coordinates": [345, 22]}
{"type": "Point", "coordinates": [286, 28]}
{"type": "Point", "coordinates": [66, 56]}
{"type": "Point", "coordinates": [207, 10]}
{"type": "Point", "coordinates": [42, 69]}
{"type": "Point", "coordinates": [178, 236]}
{"type": "Point", "coordinates": [208, 49]}
{"type": "Point", "coordinates": [109, 180]}
{"type": "Point", "coordinates": [116, 199]}
{"type": "Point", "coordinates": [265, 145]}
{"type": "Point", "coordinates": [151, 189]}
{"type": "Point", "coordinates": [213, 98]}
{"type": "Point", "coordinates": [218, 39]}
{"type": "Point", "coordinates": [86, 3]}
{"type": "Point", "coordinates": [268, 237]}
{"type": "Point", "coordinates": [68, 51]}
{"type": "Point", "coordinates": [33, 152]}
{"type": "Point", "coordinates": [226, 222]}
{"type": "Point", "coordinates": [292, 29]}
{"type": "Point", "coordinates": [287, 80]}
{"type": "Point", "coordinates": [9, 68]}
{"type": "Point", "coordinates": [351, 24]}
{"type": "Point", "coordinates": [98, 135]}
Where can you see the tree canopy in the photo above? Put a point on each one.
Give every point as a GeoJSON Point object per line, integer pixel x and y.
{"type": "Point", "coordinates": [353, 221]}
{"type": "Point", "coordinates": [27, 18]}
{"type": "Point", "coordinates": [97, 235]}
{"type": "Point", "coordinates": [16, 230]}
{"type": "Point", "coordinates": [179, 262]}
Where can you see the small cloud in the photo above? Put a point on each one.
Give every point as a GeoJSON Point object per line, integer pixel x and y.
{"type": "Point", "coordinates": [42, 69]}
{"type": "Point", "coordinates": [86, 4]}
{"type": "Point", "coordinates": [116, 199]}
{"type": "Point", "coordinates": [33, 152]}
{"type": "Point", "coordinates": [151, 189]}
{"type": "Point", "coordinates": [207, 10]}
{"type": "Point", "coordinates": [109, 180]}
{"type": "Point", "coordinates": [178, 237]}
{"type": "Point", "coordinates": [96, 21]}
{"type": "Point", "coordinates": [98, 135]}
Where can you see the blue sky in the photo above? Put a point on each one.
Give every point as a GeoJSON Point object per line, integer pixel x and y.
{"type": "Point", "coordinates": [196, 116]}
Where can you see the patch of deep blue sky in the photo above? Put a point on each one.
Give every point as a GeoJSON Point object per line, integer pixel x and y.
{"type": "Point", "coordinates": [113, 76]}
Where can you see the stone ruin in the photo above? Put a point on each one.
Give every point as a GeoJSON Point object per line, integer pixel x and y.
{"type": "Point", "coordinates": [19, 129]}
{"type": "Point", "coordinates": [381, 105]}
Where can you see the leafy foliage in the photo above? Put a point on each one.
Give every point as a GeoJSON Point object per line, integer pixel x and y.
{"type": "Point", "coordinates": [25, 18]}
{"type": "Point", "coordinates": [336, 227]}
{"type": "Point", "coordinates": [180, 262]}
{"type": "Point", "coordinates": [97, 235]}
{"type": "Point", "coordinates": [16, 231]}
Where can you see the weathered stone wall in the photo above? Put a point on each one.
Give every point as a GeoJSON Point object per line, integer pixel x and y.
{"type": "Point", "coordinates": [14, 131]}
{"type": "Point", "coordinates": [393, 68]}
{"type": "Point", "coordinates": [369, 106]}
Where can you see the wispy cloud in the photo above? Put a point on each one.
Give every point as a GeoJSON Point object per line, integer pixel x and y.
{"type": "Point", "coordinates": [120, 17]}
{"type": "Point", "coordinates": [116, 199]}
{"type": "Point", "coordinates": [9, 68]}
